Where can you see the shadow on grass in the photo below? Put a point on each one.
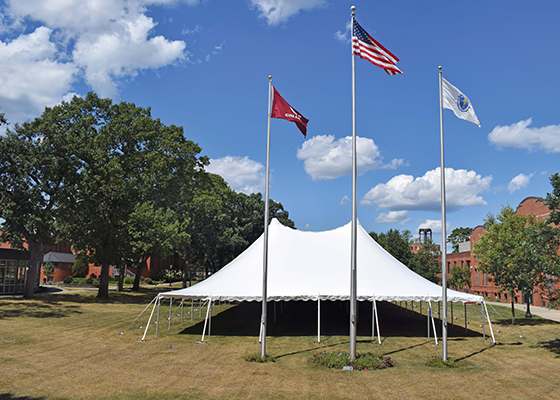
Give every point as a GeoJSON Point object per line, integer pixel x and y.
{"type": "Point", "coordinates": [60, 305]}
{"type": "Point", "coordinates": [526, 322]}
{"type": "Point", "coordinates": [551, 345]}
{"type": "Point", "coordinates": [299, 318]}
{"type": "Point", "coordinates": [10, 396]}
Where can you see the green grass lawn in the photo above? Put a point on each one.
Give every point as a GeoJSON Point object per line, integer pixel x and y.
{"type": "Point", "coordinates": [70, 346]}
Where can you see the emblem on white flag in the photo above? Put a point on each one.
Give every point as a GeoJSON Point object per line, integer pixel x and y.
{"type": "Point", "coordinates": [456, 101]}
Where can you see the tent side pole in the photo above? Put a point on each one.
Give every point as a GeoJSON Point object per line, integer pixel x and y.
{"type": "Point", "coordinates": [451, 313]}
{"type": "Point", "coordinates": [428, 317]}
{"type": "Point", "coordinates": [489, 323]}
{"type": "Point", "coordinates": [433, 323]}
{"type": "Point", "coordinates": [483, 324]}
{"type": "Point", "coordinates": [205, 322]}
{"type": "Point", "coordinates": [373, 319]}
{"type": "Point", "coordinates": [182, 301]}
{"type": "Point", "coordinates": [170, 312]}
{"type": "Point", "coordinates": [377, 321]}
{"type": "Point", "coordinates": [157, 322]}
{"type": "Point", "coordinates": [200, 308]}
{"type": "Point", "coordinates": [192, 309]}
{"type": "Point", "coordinates": [466, 322]}
{"type": "Point", "coordinates": [210, 319]}
{"type": "Point", "coordinates": [318, 319]}
{"type": "Point", "coordinates": [149, 320]}
{"type": "Point", "coordinates": [274, 312]}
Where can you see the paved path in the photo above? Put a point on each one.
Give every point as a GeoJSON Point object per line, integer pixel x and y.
{"type": "Point", "coordinates": [553, 315]}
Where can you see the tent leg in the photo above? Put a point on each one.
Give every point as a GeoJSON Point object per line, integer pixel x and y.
{"type": "Point", "coordinates": [182, 301]}
{"type": "Point", "coordinates": [170, 312]}
{"type": "Point", "coordinates": [274, 312]}
{"type": "Point", "coordinates": [205, 322]}
{"type": "Point", "coordinates": [420, 307]}
{"type": "Point", "coordinates": [373, 319]}
{"type": "Point", "coordinates": [210, 319]}
{"type": "Point", "coordinates": [489, 323]}
{"type": "Point", "coordinates": [200, 308]}
{"type": "Point", "coordinates": [377, 321]}
{"type": "Point", "coordinates": [192, 309]}
{"type": "Point", "coordinates": [483, 324]}
{"type": "Point", "coordinates": [466, 322]}
{"type": "Point", "coordinates": [451, 313]}
{"type": "Point", "coordinates": [428, 318]}
{"type": "Point", "coordinates": [260, 332]}
{"type": "Point", "coordinates": [318, 319]}
{"type": "Point", "coordinates": [439, 309]}
{"type": "Point", "coordinates": [148, 325]}
{"type": "Point", "coordinates": [433, 323]}
{"type": "Point", "coordinates": [157, 322]}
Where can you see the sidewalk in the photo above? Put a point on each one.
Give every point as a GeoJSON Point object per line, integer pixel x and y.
{"type": "Point", "coordinates": [553, 315]}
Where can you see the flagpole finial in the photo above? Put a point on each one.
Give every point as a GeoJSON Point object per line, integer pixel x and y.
{"type": "Point", "coordinates": [439, 67]}
{"type": "Point", "coordinates": [270, 77]}
{"type": "Point", "coordinates": [353, 9]}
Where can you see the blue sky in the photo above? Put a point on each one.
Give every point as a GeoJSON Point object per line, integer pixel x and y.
{"type": "Point", "coordinates": [204, 65]}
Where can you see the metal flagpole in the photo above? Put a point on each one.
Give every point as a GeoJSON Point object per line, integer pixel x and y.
{"type": "Point", "coordinates": [353, 265]}
{"type": "Point", "coordinates": [265, 250]}
{"type": "Point", "coordinates": [443, 231]}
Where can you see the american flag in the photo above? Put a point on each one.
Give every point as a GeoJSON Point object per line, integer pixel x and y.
{"type": "Point", "coordinates": [370, 49]}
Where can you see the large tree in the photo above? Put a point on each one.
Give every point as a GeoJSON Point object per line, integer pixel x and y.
{"type": "Point", "coordinates": [396, 243]}
{"type": "Point", "coordinates": [124, 162]}
{"type": "Point", "coordinates": [425, 262]}
{"type": "Point", "coordinates": [516, 251]}
{"type": "Point", "coordinates": [33, 171]}
{"type": "Point", "coordinates": [459, 235]}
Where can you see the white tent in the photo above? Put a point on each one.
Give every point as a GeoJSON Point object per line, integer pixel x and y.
{"type": "Point", "coordinates": [313, 266]}
{"type": "Point", "coordinates": [316, 265]}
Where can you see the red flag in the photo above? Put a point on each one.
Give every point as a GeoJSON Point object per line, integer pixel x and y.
{"type": "Point", "coordinates": [281, 109]}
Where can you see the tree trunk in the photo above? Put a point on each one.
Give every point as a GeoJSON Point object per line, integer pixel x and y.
{"type": "Point", "coordinates": [139, 268]}
{"type": "Point", "coordinates": [186, 268]}
{"type": "Point", "coordinates": [34, 253]}
{"type": "Point", "coordinates": [103, 292]}
{"type": "Point", "coordinates": [512, 310]}
{"type": "Point", "coordinates": [120, 286]}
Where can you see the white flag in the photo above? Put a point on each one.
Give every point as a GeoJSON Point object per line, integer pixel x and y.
{"type": "Point", "coordinates": [456, 101]}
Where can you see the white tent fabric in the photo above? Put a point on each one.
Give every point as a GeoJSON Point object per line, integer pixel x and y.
{"type": "Point", "coordinates": [310, 265]}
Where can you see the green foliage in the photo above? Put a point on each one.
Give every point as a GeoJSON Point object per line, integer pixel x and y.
{"type": "Point", "coordinates": [80, 269]}
{"type": "Point", "coordinates": [395, 243]}
{"type": "Point", "coordinates": [128, 280]}
{"type": "Point", "coordinates": [362, 362]}
{"type": "Point", "coordinates": [517, 251]}
{"type": "Point", "coordinates": [67, 279]}
{"type": "Point", "coordinates": [425, 262]}
{"type": "Point", "coordinates": [437, 362]}
{"type": "Point", "coordinates": [459, 235]}
{"type": "Point", "coordinates": [48, 269]}
{"type": "Point", "coordinates": [460, 277]}
{"type": "Point", "coordinates": [170, 275]}
{"type": "Point", "coordinates": [256, 357]}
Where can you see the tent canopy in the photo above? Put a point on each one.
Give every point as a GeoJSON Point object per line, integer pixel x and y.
{"type": "Point", "coordinates": [310, 265]}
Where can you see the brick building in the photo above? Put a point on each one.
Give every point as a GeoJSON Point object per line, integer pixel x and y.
{"type": "Point", "coordinates": [479, 281]}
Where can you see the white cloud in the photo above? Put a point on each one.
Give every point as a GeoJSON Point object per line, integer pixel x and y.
{"type": "Point", "coordinates": [277, 11]}
{"type": "Point", "coordinates": [521, 136]}
{"type": "Point", "coordinates": [344, 36]}
{"type": "Point", "coordinates": [404, 192]}
{"type": "Point", "coordinates": [105, 41]}
{"type": "Point", "coordinates": [519, 182]}
{"type": "Point", "coordinates": [434, 225]}
{"type": "Point", "coordinates": [241, 173]}
{"type": "Point", "coordinates": [393, 217]}
{"type": "Point", "coordinates": [343, 202]}
{"type": "Point", "coordinates": [31, 77]}
{"type": "Point", "coordinates": [324, 158]}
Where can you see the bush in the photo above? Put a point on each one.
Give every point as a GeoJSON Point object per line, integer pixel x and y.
{"type": "Point", "coordinates": [128, 280]}
{"type": "Point", "coordinates": [170, 275]}
{"type": "Point", "coordinates": [67, 279]}
{"type": "Point", "coordinates": [362, 362]}
{"type": "Point", "coordinates": [89, 280]}
{"type": "Point", "coordinates": [437, 362]}
{"type": "Point", "coordinates": [256, 357]}
{"type": "Point", "coordinates": [149, 281]}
